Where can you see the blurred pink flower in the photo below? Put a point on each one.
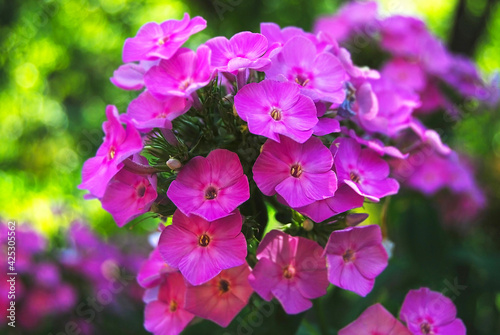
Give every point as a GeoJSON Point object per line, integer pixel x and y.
{"type": "Point", "coordinates": [201, 249]}
{"type": "Point", "coordinates": [350, 19]}
{"type": "Point", "coordinates": [118, 145]}
{"type": "Point", "coordinates": [428, 312]}
{"type": "Point", "coordinates": [355, 256]}
{"type": "Point", "coordinates": [272, 108]}
{"type": "Point", "coordinates": [300, 173]}
{"type": "Point", "coordinates": [222, 298]}
{"type": "Point", "coordinates": [375, 320]}
{"type": "Point", "coordinates": [291, 269]}
{"type": "Point", "coordinates": [394, 107]}
{"type": "Point", "coordinates": [155, 40]}
{"type": "Point", "coordinates": [211, 187]}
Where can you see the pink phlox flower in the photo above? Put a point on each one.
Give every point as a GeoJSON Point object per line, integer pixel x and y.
{"type": "Point", "coordinates": [146, 112]}
{"type": "Point", "coordinates": [118, 145]}
{"type": "Point", "coordinates": [165, 312]}
{"type": "Point", "coordinates": [321, 76]}
{"type": "Point", "coordinates": [181, 75]}
{"type": "Point", "coordinates": [428, 312]}
{"type": "Point", "coordinates": [291, 269]}
{"type": "Point", "coordinates": [202, 249]}
{"type": "Point", "coordinates": [272, 108]}
{"type": "Point", "coordinates": [375, 320]}
{"type": "Point", "coordinates": [210, 187]}
{"type": "Point", "coordinates": [221, 298]}
{"type": "Point", "coordinates": [243, 51]}
{"type": "Point", "coordinates": [362, 169]}
{"type": "Point", "coordinates": [129, 195]}
{"type": "Point", "coordinates": [160, 41]}
{"type": "Point", "coordinates": [355, 256]}
{"type": "Point", "coordinates": [300, 173]}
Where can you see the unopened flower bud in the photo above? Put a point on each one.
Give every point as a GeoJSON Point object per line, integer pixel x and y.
{"type": "Point", "coordinates": [174, 164]}
{"type": "Point", "coordinates": [354, 219]}
{"type": "Point", "coordinates": [308, 225]}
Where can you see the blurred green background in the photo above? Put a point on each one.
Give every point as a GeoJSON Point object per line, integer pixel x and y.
{"type": "Point", "coordinates": [55, 62]}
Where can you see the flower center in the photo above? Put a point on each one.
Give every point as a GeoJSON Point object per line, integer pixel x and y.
{"type": "Point", "coordinates": [296, 170]}
{"type": "Point", "coordinates": [111, 153]}
{"type": "Point", "coordinates": [173, 306]}
{"type": "Point", "coordinates": [289, 272]}
{"type": "Point", "coordinates": [349, 255]}
{"type": "Point", "coordinates": [426, 328]}
{"type": "Point", "coordinates": [223, 286]}
{"type": "Point", "coordinates": [276, 114]}
{"type": "Point", "coordinates": [301, 80]}
{"type": "Point", "coordinates": [204, 240]}
{"type": "Point", "coordinates": [162, 41]}
{"type": "Point", "coordinates": [185, 84]}
{"type": "Point", "coordinates": [141, 190]}
{"type": "Point", "coordinates": [211, 193]}
{"type": "Point", "coordinates": [354, 177]}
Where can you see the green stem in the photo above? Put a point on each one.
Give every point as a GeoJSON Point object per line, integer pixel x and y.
{"type": "Point", "coordinates": [320, 314]}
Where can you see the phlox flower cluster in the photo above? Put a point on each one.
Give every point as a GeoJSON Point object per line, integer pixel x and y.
{"type": "Point", "coordinates": [281, 118]}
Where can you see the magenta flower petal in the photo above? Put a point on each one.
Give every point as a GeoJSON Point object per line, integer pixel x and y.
{"type": "Point", "coordinates": [201, 249]}
{"type": "Point", "coordinates": [291, 298]}
{"type": "Point", "coordinates": [129, 77]}
{"type": "Point", "coordinates": [265, 268]}
{"type": "Point", "coordinates": [456, 327]}
{"type": "Point", "coordinates": [155, 40]}
{"type": "Point", "coordinates": [119, 144]}
{"type": "Point", "coordinates": [269, 172]}
{"type": "Point", "coordinates": [375, 320]}
{"type": "Point", "coordinates": [222, 298]}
